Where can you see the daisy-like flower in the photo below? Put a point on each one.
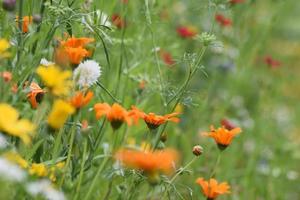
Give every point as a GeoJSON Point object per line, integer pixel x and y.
{"type": "Point", "coordinates": [152, 163]}
{"type": "Point", "coordinates": [222, 20]}
{"type": "Point", "coordinates": [87, 73]}
{"type": "Point", "coordinates": [115, 114]}
{"type": "Point", "coordinates": [136, 114]}
{"type": "Point", "coordinates": [212, 189]}
{"type": "Point", "coordinates": [12, 125]}
{"type": "Point", "coordinates": [35, 95]}
{"type": "Point", "coordinates": [57, 80]}
{"type": "Point", "coordinates": [187, 31]}
{"type": "Point", "coordinates": [153, 121]}
{"type": "Point", "coordinates": [4, 46]}
{"type": "Point", "coordinates": [80, 99]}
{"type": "Point", "coordinates": [26, 21]}
{"type": "Point", "coordinates": [60, 112]}
{"type": "Point", "coordinates": [222, 136]}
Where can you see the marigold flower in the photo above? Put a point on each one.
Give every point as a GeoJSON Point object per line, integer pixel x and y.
{"type": "Point", "coordinates": [80, 99]}
{"type": "Point", "coordinates": [60, 112]}
{"type": "Point", "coordinates": [271, 62]}
{"type": "Point", "coordinates": [115, 114]}
{"type": "Point", "coordinates": [222, 20]}
{"type": "Point", "coordinates": [136, 114]}
{"type": "Point", "coordinates": [26, 21]}
{"type": "Point", "coordinates": [77, 42]}
{"type": "Point", "coordinates": [35, 94]}
{"type": "Point", "coordinates": [7, 76]}
{"type": "Point", "coordinates": [38, 169]}
{"type": "Point", "coordinates": [149, 162]}
{"type": "Point", "coordinates": [57, 80]}
{"type": "Point", "coordinates": [118, 21]}
{"type": "Point", "coordinates": [222, 136]}
{"type": "Point", "coordinates": [4, 46]}
{"type": "Point", "coordinates": [187, 31]}
{"type": "Point", "coordinates": [153, 121]}
{"type": "Point", "coordinates": [212, 189]}
{"type": "Point", "coordinates": [12, 125]}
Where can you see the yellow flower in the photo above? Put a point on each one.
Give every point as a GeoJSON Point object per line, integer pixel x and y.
{"type": "Point", "coordinates": [4, 45]}
{"type": "Point", "coordinates": [38, 169]}
{"type": "Point", "coordinates": [60, 113]}
{"type": "Point", "coordinates": [16, 158]}
{"type": "Point", "coordinates": [57, 80]}
{"type": "Point", "coordinates": [12, 125]}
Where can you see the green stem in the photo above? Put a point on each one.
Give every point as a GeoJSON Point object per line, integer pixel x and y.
{"type": "Point", "coordinates": [213, 172]}
{"type": "Point", "coordinates": [108, 92]}
{"type": "Point", "coordinates": [20, 26]}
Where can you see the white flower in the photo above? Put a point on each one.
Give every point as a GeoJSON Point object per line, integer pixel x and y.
{"type": "Point", "coordinates": [45, 188]}
{"type": "Point", "coordinates": [46, 63]}
{"type": "Point", "coordinates": [87, 73]}
{"type": "Point", "coordinates": [11, 171]}
{"type": "Point", "coordinates": [3, 141]}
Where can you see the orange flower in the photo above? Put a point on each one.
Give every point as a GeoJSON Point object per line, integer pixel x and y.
{"type": "Point", "coordinates": [35, 94]}
{"type": "Point", "coordinates": [211, 189]}
{"type": "Point", "coordinates": [153, 121]}
{"type": "Point", "coordinates": [150, 162]}
{"type": "Point", "coordinates": [7, 76]}
{"type": "Point", "coordinates": [115, 114]}
{"type": "Point", "coordinates": [76, 42]}
{"type": "Point", "coordinates": [222, 136]}
{"type": "Point", "coordinates": [118, 21]}
{"type": "Point", "coordinates": [25, 23]}
{"type": "Point", "coordinates": [79, 99]}
{"type": "Point", "coordinates": [136, 114]}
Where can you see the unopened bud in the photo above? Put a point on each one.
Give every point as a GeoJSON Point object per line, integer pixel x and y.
{"type": "Point", "coordinates": [197, 150]}
{"type": "Point", "coordinates": [37, 19]}
{"type": "Point", "coordinates": [9, 5]}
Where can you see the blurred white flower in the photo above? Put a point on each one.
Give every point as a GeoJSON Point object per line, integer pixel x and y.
{"type": "Point", "coordinates": [11, 171]}
{"type": "Point", "coordinates": [87, 73]}
{"type": "Point", "coordinates": [45, 62]}
{"type": "Point", "coordinates": [45, 188]}
{"type": "Point", "coordinates": [3, 141]}
{"type": "Point", "coordinates": [292, 175]}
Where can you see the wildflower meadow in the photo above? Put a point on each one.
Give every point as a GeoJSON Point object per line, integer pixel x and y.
{"type": "Point", "coordinates": [149, 100]}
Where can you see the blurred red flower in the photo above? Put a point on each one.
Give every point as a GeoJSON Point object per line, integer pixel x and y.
{"type": "Point", "coordinates": [118, 21]}
{"type": "Point", "coordinates": [271, 62]}
{"type": "Point", "coordinates": [187, 31]}
{"type": "Point", "coordinates": [222, 20]}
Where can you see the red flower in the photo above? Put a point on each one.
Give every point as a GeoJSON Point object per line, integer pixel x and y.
{"type": "Point", "coordinates": [167, 58]}
{"type": "Point", "coordinates": [271, 62]}
{"type": "Point", "coordinates": [227, 124]}
{"type": "Point", "coordinates": [222, 20]}
{"type": "Point", "coordinates": [118, 21]}
{"type": "Point", "coordinates": [187, 31]}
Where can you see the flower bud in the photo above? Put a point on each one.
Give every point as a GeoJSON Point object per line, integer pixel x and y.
{"type": "Point", "coordinates": [37, 19]}
{"type": "Point", "coordinates": [9, 5]}
{"type": "Point", "coordinates": [197, 150]}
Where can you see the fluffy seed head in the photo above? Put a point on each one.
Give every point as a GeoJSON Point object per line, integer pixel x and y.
{"type": "Point", "coordinates": [87, 73]}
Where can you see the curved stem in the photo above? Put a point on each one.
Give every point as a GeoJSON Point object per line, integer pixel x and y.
{"type": "Point", "coordinates": [108, 92]}
{"type": "Point", "coordinates": [213, 172]}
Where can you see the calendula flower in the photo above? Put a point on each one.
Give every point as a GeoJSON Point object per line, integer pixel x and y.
{"type": "Point", "coordinates": [80, 99]}
{"type": "Point", "coordinates": [16, 158]}
{"type": "Point", "coordinates": [153, 121]}
{"type": "Point", "coordinates": [222, 20]}
{"type": "Point", "coordinates": [87, 73]}
{"type": "Point", "coordinates": [222, 136]}
{"type": "Point", "coordinates": [115, 114]}
{"type": "Point", "coordinates": [12, 125]}
{"type": "Point", "coordinates": [57, 80]}
{"type": "Point", "coordinates": [118, 21]}
{"type": "Point", "coordinates": [152, 163]}
{"type": "Point", "coordinates": [7, 76]}
{"type": "Point", "coordinates": [38, 169]}
{"type": "Point", "coordinates": [35, 95]}
{"type": "Point", "coordinates": [212, 189]}
{"type": "Point", "coordinates": [271, 62]}
{"type": "Point", "coordinates": [136, 114]}
{"type": "Point", "coordinates": [4, 46]}
{"type": "Point", "coordinates": [60, 112]}
{"type": "Point", "coordinates": [187, 31]}
{"type": "Point", "coordinates": [26, 21]}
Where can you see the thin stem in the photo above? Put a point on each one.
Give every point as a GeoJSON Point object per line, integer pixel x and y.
{"type": "Point", "coordinates": [20, 26]}
{"type": "Point", "coordinates": [108, 92]}
{"type": "Point", "coordinates": [213, 172]}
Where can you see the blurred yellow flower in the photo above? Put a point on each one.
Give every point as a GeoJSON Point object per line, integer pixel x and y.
{"type": "Point", "coordinates": [16, 158]}
{"type": "Point", "coordinates": [12, 125]}
{"type": "Point", "coordinates": [57, 80]}
{"type": "Point", "coordinates": [60, 113]}
{"type": "Point", "coordinates": [4, 45]}
{"type": "Point", "coordinates": [38, 169]}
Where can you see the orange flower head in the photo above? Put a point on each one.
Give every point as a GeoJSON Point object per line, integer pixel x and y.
{"type": "Point", "coordinates": [76, 42]}
{"type": "Point", "coordinates": [167, 58]}
{"type": "Point", "coordinates": [222, 136]}
{"type": "Point", "coordinates": [27, 20]}
{"type": "Point", "coordinates": [7, 76]}
{"type": "Point", "coordinates": [35, 95]}
{"type": "Point", "coordinates": [153, 121]}
{"type": "Point", "coordinates": [212, 189]}
{"type": "Point", "coordinates": [150, 162]}
{"type": "Point", "coordinates": [187, 31]}
{"type": "Point", "coordinates": [136, 114]}
{"type": "Point", "coordinates": [118, 21]}
{"type": "Point", "coordinates": [115, 114]}
{"type": "Point", "coordinates": [80, 99]}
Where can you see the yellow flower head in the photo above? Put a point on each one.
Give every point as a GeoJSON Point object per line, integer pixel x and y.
{"type": "Point", "coordinates": [16, 158]}
{"type": "Point", "coordinates": [12, 125]}
{"type": "Point", "coordinates": [38, 169]}
{"type": "Point", "coordinates": [4, 45]}
{"type": "Point", "coordinates": [60, 113]}
{"type": "Point", "coordinates": [57, 80]}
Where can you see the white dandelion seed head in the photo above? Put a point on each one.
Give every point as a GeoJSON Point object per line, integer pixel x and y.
{"type": "Point", "coordinates": [45, 62]}
{"type": "Point", "coordinates": [87, 73]}
{"type": "Point", "coordinates": [45, 188]}
{"type": "Point", "coordinates": [10, 171]}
